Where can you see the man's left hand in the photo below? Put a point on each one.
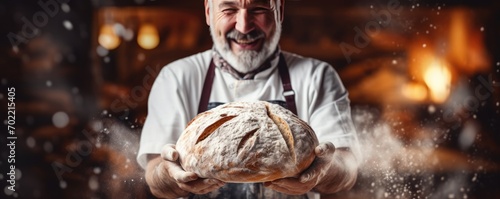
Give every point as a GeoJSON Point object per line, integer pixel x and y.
{"type": "Point", "coordinates": [327, 174]}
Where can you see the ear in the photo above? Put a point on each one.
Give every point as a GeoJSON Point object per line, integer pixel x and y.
{"type": "Point", "coordinates": [207, 12]}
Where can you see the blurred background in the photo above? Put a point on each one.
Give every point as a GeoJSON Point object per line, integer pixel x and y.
{"type": "Point", "coordinates": [423, 78]}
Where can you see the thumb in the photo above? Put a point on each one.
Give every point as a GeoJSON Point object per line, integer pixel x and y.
{"type": "Point", "coordinates": [169, 153]}
{"type": "Point", "coordinates": [324, 149]}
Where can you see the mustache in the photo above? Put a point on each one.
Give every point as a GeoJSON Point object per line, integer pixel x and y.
{"type": "Point", "coordinates": [237, 35]}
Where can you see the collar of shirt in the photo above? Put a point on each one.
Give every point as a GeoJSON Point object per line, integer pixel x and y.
{"type": "Point", "coordinates": [226, 67]}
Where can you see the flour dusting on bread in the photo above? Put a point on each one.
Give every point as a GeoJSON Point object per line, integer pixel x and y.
{"type": "Point", "coordinates": [247, 142]}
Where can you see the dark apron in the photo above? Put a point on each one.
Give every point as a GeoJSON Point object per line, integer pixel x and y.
{"type": "Point", "coordinates": [248, 190]}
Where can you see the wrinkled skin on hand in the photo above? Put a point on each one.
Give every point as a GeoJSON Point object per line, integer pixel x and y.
{"type": "Point", "coordinates": [332, 170]}
{"type": "Point", "coordinates": [167, 179]}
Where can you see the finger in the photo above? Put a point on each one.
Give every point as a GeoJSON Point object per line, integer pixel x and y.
{"type": "Point", "coordinates": [213, 182]}
{"type": "Point", "coordinates": [309, 176]}
{"type": "Point", "coordinates": [166, 181]}
{"type": "Point", "coordinates": [284, 190]}
{"type": "Point", "coordinates": [317, 168]}
{"type": "Point", "coordinates": [178, 174]}
{"type": "Point", "coordinates": [212, 186]}
{"type": "Point", "coordinates": [169, 153]}
{"type": "Point", "coordinates": [201, 186]}
{"type": "Point", "coordinates": [294, 184]}
{"type": "Point", "coordinates": [324, 149]}
{"type": "Point", "coordinates": [289, 183]}
{"type": "Point", "coordinates": [210, 189]}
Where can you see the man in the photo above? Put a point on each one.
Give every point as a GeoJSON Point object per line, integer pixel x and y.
{"type": "Point", "coordinates": [247, 64]}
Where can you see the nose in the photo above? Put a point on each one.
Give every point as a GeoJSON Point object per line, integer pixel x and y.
{"type": "Point", "coordinates": [244, 22]}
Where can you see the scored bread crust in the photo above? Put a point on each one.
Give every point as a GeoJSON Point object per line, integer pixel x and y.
{"type": "Point", "coordinates": [247, 142]}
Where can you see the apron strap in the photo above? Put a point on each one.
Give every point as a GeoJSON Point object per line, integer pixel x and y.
{"type": "Point", "coordinates": [207, 88]}
{"type": "Point", "coordinates": [288, 92]}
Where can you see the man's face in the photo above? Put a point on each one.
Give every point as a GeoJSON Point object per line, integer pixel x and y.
{"type": "Point", "coordinates": [244, 32]}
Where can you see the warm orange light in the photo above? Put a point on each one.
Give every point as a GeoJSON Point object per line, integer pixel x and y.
{"type": "Point", "coordinates": [466, 43]}
{"type": "Point", "coordinates": [437, 77]}
{"type": "Point", "coordinates": [148, 37]}
{"type": "Point", "coordinates": [108, 37]}
{"type": "Point", "coordinates": [459, 36]}
{"type": "Point", "coordinates": [415, 92]}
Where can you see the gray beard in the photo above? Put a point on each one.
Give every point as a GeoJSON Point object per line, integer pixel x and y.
{"type": "Point", "coordinates": [248, 60]}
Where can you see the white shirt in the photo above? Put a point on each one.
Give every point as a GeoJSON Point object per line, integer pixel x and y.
{"type": "Point", "coordinates": [320, 97]}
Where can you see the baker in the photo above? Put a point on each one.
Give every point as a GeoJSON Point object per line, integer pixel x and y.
{"type": "Point", "coordinates": [246, 64]}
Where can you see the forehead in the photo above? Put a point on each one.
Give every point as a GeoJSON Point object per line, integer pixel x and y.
{"type": "Point", "coordinates": [241, 3]}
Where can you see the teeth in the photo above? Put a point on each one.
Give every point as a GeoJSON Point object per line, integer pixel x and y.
{"type": "Point", "coordinates": [245, 41]}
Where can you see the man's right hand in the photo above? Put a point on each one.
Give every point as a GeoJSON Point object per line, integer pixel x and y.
{"type": "Point", "coordinates": [167, 179]}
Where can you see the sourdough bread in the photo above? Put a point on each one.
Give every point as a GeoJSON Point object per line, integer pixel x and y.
{"type": "Point", "coordinates": [247, 142]}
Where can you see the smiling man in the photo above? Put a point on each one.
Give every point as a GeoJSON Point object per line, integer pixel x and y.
{"type": "Point", "coordinates": [245, 33]}
{"type": "Point", "coordinates": [246, 64]}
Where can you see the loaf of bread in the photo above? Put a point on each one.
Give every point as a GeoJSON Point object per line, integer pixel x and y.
{"type": "Point", "coordinates": [247, 142]}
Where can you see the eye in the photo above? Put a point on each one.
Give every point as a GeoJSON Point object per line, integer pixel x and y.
{"type": "Point", "coordinates": [229, 11]}
{"type": "Point", "coordinates": [260, 10]}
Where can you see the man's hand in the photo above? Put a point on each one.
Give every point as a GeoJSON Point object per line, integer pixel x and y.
{"type": "Point", "coordinates": [331, 171]}
{"type": "Point", "coordinates": [167, 179]}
